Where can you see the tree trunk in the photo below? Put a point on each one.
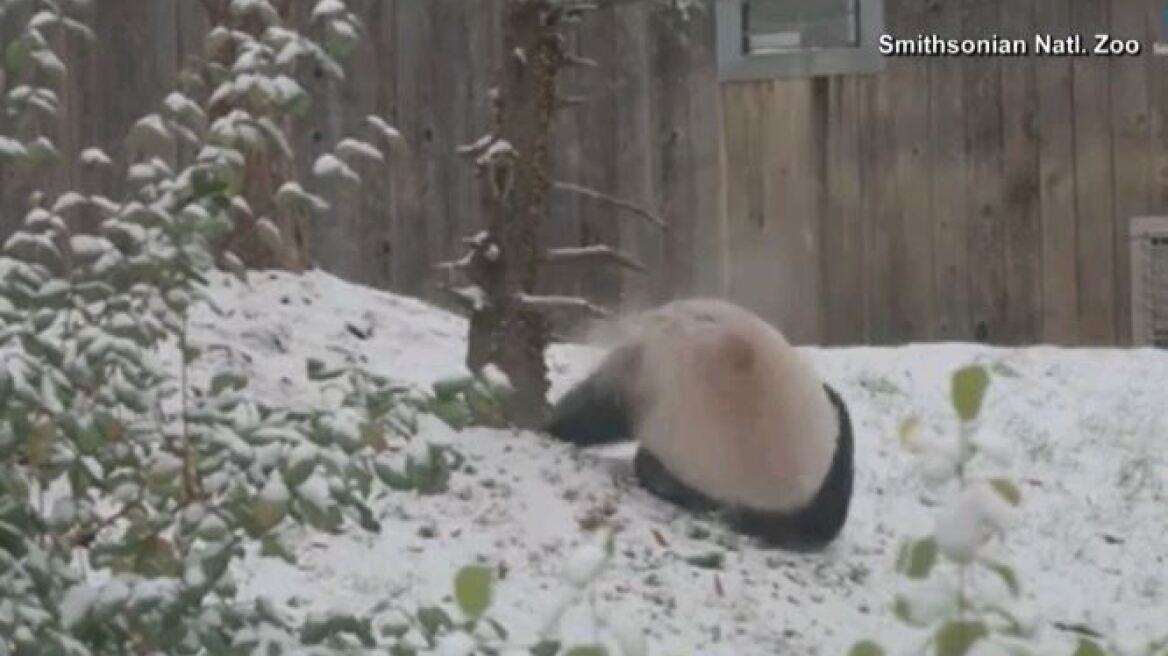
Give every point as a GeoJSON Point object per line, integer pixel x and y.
{"type": "Point", "coordinates": [512, 171]}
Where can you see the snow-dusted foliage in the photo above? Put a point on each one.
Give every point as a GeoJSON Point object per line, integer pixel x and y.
{"type": "Point", "coordinates": [136, 467]}
{"type": "Point", "coordinates": [960, 590]}
{"type": "Point", "coordinates": [31, 73]}
{"type": "Point", "coordinates": [128, 488]}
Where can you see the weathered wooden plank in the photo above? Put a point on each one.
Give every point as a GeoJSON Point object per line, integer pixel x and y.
{"type": "Point", "coordinates": [1060, 280]}
{"type": "Point", "coordinates": [751, 237]}
{"type": "Point", "coordinates": [841, 255]}
{"type": "Point", "coordinates": [1093, 184]}
{"type": "Point", "coordinates": [706, 257]}
{"type": "Point", "coordinates": [418, 209]}
{"type": "Point", "coordinates": [562, 225]}
{"type": "Point", "coordinates": [1157, 85]}
{"type": "Point", "coordinates": [633, 147]}
{"type": "Point", "coordinates": [881, 208]}
{"type": "Point", "coordinates": [792, 203]}
{"type": "Point", "coordinates": [1020, 172]}
{"type": "Point", "coordinates": [672, 77]}
{"type": "Point", "coordinates": [598, 151]}
{"type": "Point", "coordinates": [983, 139]}
{"type": "Point", "coordinates": [947, 183]}
{"type": "Point", "coordinates": [1131, 145]}
{"type": "Point", "coordinates": [911, 249]}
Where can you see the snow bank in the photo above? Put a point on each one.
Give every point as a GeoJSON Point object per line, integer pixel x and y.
{"type": "Point", "coordinates": [1087, 428]}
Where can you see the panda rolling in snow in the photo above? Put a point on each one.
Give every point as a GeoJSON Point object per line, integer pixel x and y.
{"type": "Point", "coordinates": [728, 417]}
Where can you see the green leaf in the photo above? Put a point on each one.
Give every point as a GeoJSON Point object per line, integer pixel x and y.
{"type": "Point", "coordinates": [1089, 648]}
{"type": "Point", "coordinates": [318, 630]}
{"type": "Point", "coordinates": [318, 371]}
{"type": "Point", "coordinates": [587, 650]}
{"type": "Point", "coordinates": [271, 546]}
{"type": "Point", "coordinates": [472, 589]}
{"type": "Point", "coordinates": [546, 648]}
{"type": "Point", "coordinates": [394, 479]}
{"type": "Point", "coordinates": [1007, 490]}
{"type": "Point", "coordinates": [917, 558]}
{"type": "Point", "coordinates": [449, 388]}
{"type": "Point", "coordinates": [268, 513]}
{"type": "Point", "coordinates": [155, 557]}
{"type": "Point", "coordinates": [434, 619]}
{"type": "Point", "coordinates": [1006, 573]}
{"type": "Point", "coordinates": [866, 648]}
{"type": "Point", "coordinates": [968, 390]}
{"type": "Point", "coordinates": [957, 637]}
{"type": "Point", "coordinates": [227, 381]}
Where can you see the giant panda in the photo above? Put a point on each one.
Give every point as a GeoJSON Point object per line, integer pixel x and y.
{"type": "Point", "coordinates": [728, 418]}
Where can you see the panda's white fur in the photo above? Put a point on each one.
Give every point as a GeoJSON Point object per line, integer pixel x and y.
{"type": "Point", "coordinates": [730, 407]}
{"type": "Point", "coordinates": [727, 413]}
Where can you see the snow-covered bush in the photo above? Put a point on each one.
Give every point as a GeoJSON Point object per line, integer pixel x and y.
{"type": "Point", "coordinates": [129, 481]}
{"type": "Point", "coordinates": [471, 631]}
{"type": "Point", "coordinates": [961, 591]}
{"type": "Point", "coordinates": [30, 75]}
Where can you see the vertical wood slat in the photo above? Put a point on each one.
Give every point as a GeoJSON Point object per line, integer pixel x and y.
{"type": "Point", "coordinates": [1060, 235]}
{"type": "Point", "coordinates": [911, 261]}
{"type": "Point", "coordinates": [947, 183]}
{"type": "Point", "coordinates": [1093, 184]}
{"type": "Point", "coordinates": [1020, 188]}
{"type": "Point", "coordinates": [879, 209]}
{"type": "Point", "coordinates": [595, 126]}
{"type": "Point", "coordinates": [984, 212]}
{"type": "Point", "coordinates": [840, 263]}
{"type": "Point", "coordinates": [1131, 146]}
{"type": "Point", "coordinates": [634, 145]}
{"type": "Point", "coordinates": [674, 81]}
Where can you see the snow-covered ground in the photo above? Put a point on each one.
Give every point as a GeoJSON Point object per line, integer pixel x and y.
{"type": "Point", "coordinates": [1090, 429]}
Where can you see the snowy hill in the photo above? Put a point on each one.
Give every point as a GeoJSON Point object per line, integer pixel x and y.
{"type": "Point", "coordinates": [1088, 429]}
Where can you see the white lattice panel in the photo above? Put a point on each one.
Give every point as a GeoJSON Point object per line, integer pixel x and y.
{"type": "Point", "coordinates": [1149, 260]}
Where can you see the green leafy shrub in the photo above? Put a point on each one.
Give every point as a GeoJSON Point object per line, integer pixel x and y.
{"type": "Point", "coordinates": [965, 600]}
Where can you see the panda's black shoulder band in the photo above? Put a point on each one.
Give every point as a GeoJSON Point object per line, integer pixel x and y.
{"type": "Point", "coordinates": [599, 410]}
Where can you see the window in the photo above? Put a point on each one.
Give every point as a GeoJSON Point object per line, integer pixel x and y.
{"type": "Point", "coordinates": [760, 39]}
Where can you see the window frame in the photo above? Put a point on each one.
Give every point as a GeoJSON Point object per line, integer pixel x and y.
{"type": "Point", "coordinates": [736, 65]}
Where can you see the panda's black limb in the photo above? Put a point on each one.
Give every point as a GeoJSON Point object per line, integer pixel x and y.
{"type": "Point", "coordinates": [808, 529]}
{"type": "Point", "coordinates": [654, 477]}
{"type": "Point", "coordinates": [598, 410]}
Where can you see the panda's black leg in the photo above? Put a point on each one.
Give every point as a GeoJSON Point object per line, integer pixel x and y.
{"type": "Point", "coordinates": [658, 480]}
{"type": "Point", "coordinates": [598, 410]}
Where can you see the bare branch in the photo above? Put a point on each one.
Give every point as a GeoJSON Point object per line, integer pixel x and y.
{"type": "Point", "coordinates": [549, 304]}
{"type": "Point", "coordinates": [567, 102]}
{"type": "Point", "coordinates": [611, 200]}
{"type": "Point", "coordinates": [456, 265]}
{"type": "Point", "coordinates": [598, 253]}
{"type": "Point", "coordinates": [478, 147]}
{"type": "Point", "coordinates": [472, 299]}
{"type": "Point", "coordinates": [579, 62]}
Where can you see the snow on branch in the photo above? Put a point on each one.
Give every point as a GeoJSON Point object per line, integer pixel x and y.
{"type": "Point", "coordinates": [596, 253]}
{"type": "Point", "coordinates": [573, 304]}
{"type": "Point", "coordinates": [566, 102]}
{"type": "Point", "coordinates": [471, 298]}
{"type": "Point", "coordinates": [456, 265]}
{"type": "Point", "coordinates": [580, 62]}
{"type": "Point", "coordinates": [478, 147]}
{"type": "Point", "coordinates": [611, 200]}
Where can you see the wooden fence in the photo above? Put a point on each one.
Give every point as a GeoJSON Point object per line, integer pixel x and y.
{"type": "Point", "coordinates": [945, 198]}
{"type": "Point", "coordinates": [953, 198]}
{"type": "Point", "coordinates": [648, 133]}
